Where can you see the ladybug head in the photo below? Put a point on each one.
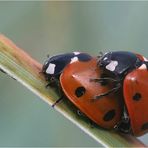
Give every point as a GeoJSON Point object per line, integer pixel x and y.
{"type": "Point", "coordinates": [105, 60]}
{"type": "Point", "coordinates": [45, 66]}
{"type": "Point", "coordinates": [48, 68]}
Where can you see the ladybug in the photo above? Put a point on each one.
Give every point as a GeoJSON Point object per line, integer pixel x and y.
{"type": "Point", "coordinates": [118, 63]}
{"type": "Point", "coordinates": [130, 72]}
{"type": "Point", "coordinates": [77, 78]}
{"type": "Point", "coordinates": [136, 99]}
{"type": "Point", "coordinates": [53, 66]}
{"type": "Point", "coordinates": [85, 93]}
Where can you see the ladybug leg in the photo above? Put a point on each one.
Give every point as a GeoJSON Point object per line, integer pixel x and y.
{"type": "Point", "coordinates": [80, 113]}
{"type": "Point", "coordinates": [57, 101]}
{"type": "Point", "coordinates": [91, 123]}
{"type": "Point", "coordinates": [53, 82]}
{"type": "Point", "coordinates": [102, 80]}
{"type": "Point", "coordinates": [124, 125]}
{"type": "Point", "coordinates": [113, 90]}
{"type": "Point", "coordinates": [56, 84]}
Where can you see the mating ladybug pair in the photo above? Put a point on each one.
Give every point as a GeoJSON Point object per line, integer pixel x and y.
{"type": "Point", "coordinates": [110, 89]}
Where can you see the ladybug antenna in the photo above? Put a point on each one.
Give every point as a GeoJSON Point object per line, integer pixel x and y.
{"type": "Point", "coordinates": [99, 56]}
{"type": "Point", "coordinates": [101, 53]}
{"type": "Point", "coordinates": [109, 50]}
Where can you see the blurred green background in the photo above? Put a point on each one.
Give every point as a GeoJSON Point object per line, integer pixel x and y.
{"type": "Point", "coordinates": [42, 28]}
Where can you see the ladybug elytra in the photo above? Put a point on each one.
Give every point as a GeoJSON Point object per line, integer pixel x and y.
{"type": "Point", "coordinates": [78, 85]}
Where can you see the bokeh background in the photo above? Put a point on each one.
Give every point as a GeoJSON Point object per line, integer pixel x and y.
{"type": "Point", "coordinates": [42, 28]}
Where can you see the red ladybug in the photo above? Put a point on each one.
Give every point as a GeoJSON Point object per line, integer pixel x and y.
{"type": "Point", "coordinates": [78, 84]}
{"type": "Point", "coordinates": [130, 71]}
{"type": "Point", "coordinates": [136, 99]}
{"type": "Point", "coordinates": [53, 66]}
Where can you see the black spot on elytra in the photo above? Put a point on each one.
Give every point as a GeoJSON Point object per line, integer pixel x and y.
{"type": "Point", "coordinates": [145, 126]}
{"type": "Point", "coordinates": [80, 91]}
{"type": "Point", "coordinates": [109, 115]}
{"type": "Point", "coordinates": [137, 97]}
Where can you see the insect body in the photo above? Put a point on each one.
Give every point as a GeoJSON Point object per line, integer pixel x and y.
{"type": "Point", "coordinates": [76, 73]}
{"type": "Point", "coordinates": [130, 72]}
{"type": "Point", "coordinates": [136, 99]}
{"type": "Point", "coordinates": [118, 63]}
{"type": "Point", "coordinates": [54, 66]}
{"type": "Point", "coordinates": [111, 90]}
{"type": "Point", "coordinates": [76, 82]}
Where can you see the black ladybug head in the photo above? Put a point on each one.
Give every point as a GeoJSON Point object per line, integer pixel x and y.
{"type": "Point", "coordinates": [105, 59]}
{"type": "Point", "coordinates": [54, 65]}
{"type": "Point", "coordinates": [46, 69]}
{"type": "Point", "coordinates": [45, 66]}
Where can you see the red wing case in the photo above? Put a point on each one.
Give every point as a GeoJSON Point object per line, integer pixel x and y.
{"type": "Point", "coordinates": [80, 90]}
{"type": "Point", "coordinates": [136, 100]}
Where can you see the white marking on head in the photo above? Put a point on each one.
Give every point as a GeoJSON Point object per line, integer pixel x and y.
{"type": "Point", "coordinates": [74, 59]}
{"type": "Point", "coordinates": [51, 68]}
{"type": "Point", "coordinates": [76, 53]}
{"type": "Point", "coordinates": [105, 58]}
{"type": "Point", "coordinates": [142, 67]}
{"type": "Point", "coordinates": [112, 65]}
